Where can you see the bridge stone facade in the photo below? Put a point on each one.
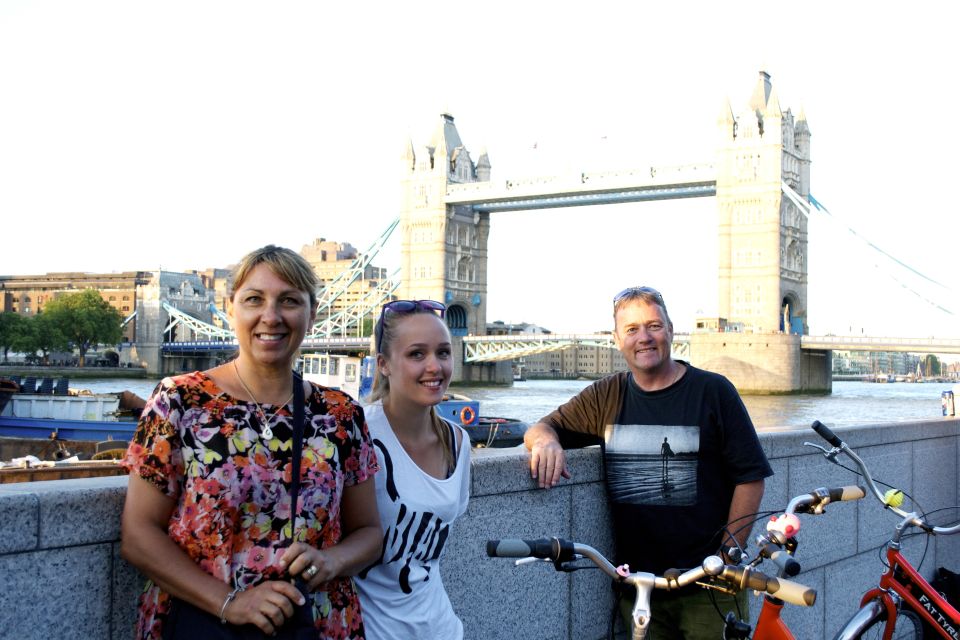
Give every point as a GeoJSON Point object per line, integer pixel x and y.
{"type": "Point", "coordinates": [191, 293]}
{"type": "Point", "coordinates": [763, 235]}
{"type": "Point", "coordinates": [444, 247]}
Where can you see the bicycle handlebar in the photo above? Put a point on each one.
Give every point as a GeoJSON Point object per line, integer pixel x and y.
{"type": "Point", "coordinates": [787, 564]}
{"type": "Point", "coordinates": [824, 432]}
{"type": "Point", "coordinates": [740, 578]}
{"type": "Point", "coordinates": [517, 548]}
{"type": "Point", "coordinates": [782, 528]}
{"type": "Point", "coordinates": [815, 501]}
{"type": "Point", "coordinates": [909, 518]}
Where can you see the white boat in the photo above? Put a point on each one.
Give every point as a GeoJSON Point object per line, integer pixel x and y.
{"type": "Point", "coordinates": [334, 371]}
{"type": "Point", "coordinates": [354, 375]}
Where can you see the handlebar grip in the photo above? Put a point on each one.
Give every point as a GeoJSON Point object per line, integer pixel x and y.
{"type": "Point", "coordinates": [851, 492]}
{"type": "Point", "coordinates": [792, 592]}
{"type": "Point", "coordinates": [824, 432]}
{"type": "Point", "coordinates": [786, 590]}
{"type": "Point", "coordinates": [516, 548]}
{"type": "Point", "coordinates": [787, 563]}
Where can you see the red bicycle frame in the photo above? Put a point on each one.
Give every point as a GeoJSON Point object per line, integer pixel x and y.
{"type": "Point", "coordinates": [770, 626]}
{"type": "Point", "coordinates": [901, 579]}
{"type": "Point", "coordinates": [917, 595]}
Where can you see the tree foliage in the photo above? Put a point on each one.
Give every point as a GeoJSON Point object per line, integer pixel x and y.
{"type": "Point", "coordinates": [85, 319]}
{"type": "Point", "coordinates": [44, 334]}
{"type": "Point", "coordinates": [12, 328]}
{"type": "Point", "coordinates": [931, 366]}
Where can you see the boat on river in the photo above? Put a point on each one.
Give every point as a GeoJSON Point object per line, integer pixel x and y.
{"type": "Point", "coordinates": [354, 375]}
{"type": "Point", "coordinates": [50, 432]}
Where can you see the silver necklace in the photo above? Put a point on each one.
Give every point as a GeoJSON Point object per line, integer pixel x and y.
{"type": "Point", "coordinates": [265, 431]}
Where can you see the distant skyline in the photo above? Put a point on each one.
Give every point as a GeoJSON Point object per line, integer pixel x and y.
{"type": "Point", "coordinates": [182, 135]}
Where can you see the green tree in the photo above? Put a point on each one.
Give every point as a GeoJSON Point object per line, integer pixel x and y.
{"type": "Point", "coordinates": [366, 328]}
{"type": "Point", "coordinates": [12, 328]}
{"type": "Point", "coordinates": [42, 333]}
{"type": "Point", "coordinates": [86, 320]}
{"type": "Point", "coordinates": [931, 366]}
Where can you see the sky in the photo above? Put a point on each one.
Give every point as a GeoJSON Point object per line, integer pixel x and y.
{"type": "Point", "coordinates": [180, 135]}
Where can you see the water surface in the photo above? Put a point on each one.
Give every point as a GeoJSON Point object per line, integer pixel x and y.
{"type": "Point", "coordinates": [850, 403]}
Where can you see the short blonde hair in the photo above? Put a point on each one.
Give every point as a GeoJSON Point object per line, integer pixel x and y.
{"type": "Point", "coordinates": [284, 263]}
{"type": "Point", "coordinates": [647, 295]}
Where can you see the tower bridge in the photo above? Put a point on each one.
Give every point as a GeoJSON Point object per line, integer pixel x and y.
{"type": "Point", "coordinates": [760, 177]}
{"type": "Point", "coordinates": [448, 199]}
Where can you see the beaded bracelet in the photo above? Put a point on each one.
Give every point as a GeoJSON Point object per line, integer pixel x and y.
{"type": "Point", "coordinates": [230, 596]}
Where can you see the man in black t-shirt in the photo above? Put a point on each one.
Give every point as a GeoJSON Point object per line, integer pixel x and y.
{"type": "Point", "coordinates": [669, 511]}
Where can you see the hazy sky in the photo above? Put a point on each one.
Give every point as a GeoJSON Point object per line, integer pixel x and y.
{"type": "Point", "coordinates": [181, 135]}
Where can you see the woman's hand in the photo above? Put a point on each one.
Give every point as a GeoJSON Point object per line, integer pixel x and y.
{"type": "Point", "coordinates": [313, 565]}
{"type": "Point", "coordinates": [266, 606]}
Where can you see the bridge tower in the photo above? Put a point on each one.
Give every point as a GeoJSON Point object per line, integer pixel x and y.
{"type": "Point", "coordinates": [762, 234]}
{"type": "Point", "coordinates": [444, 247]}
{"type": "Point", "coordinates": [763, 253]}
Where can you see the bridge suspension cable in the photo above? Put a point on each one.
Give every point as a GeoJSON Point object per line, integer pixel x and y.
{"type": "Point", "coordinates": [342, 321]}
{"type": "Point", "coordinates": [339, 285]}
{"type": "Point", "coordinates": [220, 314]}
{"type": "Point", "coordinates": [199, 327]}
{"type": "Point", "coordinates": [810, 205]}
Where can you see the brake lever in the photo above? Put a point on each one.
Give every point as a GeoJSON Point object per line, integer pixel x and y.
{"type": "Point", "coordinates": [829, 454]}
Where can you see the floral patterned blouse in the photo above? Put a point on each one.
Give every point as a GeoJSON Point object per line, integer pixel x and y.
{"type": "Point", "coordinates": [202, 447]}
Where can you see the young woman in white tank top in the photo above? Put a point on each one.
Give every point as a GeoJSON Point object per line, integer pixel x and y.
{"type": "Point", "coordinates": [424, 480]}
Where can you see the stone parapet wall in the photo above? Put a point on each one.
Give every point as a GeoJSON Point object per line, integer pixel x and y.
{"type": "Point", "coordinates": [61, 575]}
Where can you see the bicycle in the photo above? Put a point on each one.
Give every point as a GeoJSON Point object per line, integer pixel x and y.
{"type": "Point", "coordinates": [712, 573]}
{"type": "Point", "coordinates": [903, 600]}
{"type": "Point", "coordinates": [778, 544]}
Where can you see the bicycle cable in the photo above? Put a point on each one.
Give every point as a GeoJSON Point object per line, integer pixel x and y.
{"type": "Point", "coordinates": [923, 516]}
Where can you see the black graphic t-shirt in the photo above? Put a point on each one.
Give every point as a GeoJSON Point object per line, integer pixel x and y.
{"type": "Point", "coordinates": [673, 458]}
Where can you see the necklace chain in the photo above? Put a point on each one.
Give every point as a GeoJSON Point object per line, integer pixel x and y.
{"type": "Point", "coordinates": [265, 431]}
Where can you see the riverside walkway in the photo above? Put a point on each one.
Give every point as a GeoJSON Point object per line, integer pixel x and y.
{"type": "Point", "coordinates": [61, 575]}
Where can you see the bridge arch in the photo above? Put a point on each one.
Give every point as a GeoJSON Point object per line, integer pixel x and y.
{"type": "Point", "coordinates": [457, 320]}
{"type": "Point", "coordinates": [790, 322]}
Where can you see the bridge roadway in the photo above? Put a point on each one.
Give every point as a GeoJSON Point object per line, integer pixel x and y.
{"type": "Point", "coordinates": [499, 348]}
{"type": "Point", "coordinates": [864, 343]}
{"type": "Point", "coordinates": [494, 348]}
{"type": "Point", "coordinates": [581, 189]}
{"type": "Point", "coordinates": [204, 347]}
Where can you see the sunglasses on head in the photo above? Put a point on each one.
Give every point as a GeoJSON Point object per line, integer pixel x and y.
{"type": "Point", "coordinates": [411, 306]}
{"type": "Point", "coordinates": [402, 307]}
{"type": "Point", "coordinates": [637, 292]}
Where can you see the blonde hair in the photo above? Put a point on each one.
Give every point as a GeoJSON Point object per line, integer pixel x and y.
{"type": "Point", "coordinates": [285, 263]}
{"type": "Point", "coordinates": [646, 295]}
{"type": "Point", "coordinates": [381, 383]}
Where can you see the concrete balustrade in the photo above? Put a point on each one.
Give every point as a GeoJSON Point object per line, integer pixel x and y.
{"type": "Point", "coordinates": [61, 575]}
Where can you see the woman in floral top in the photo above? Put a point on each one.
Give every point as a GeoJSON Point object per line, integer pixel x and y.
{"type": "Point", "coordinates": [207, 517]}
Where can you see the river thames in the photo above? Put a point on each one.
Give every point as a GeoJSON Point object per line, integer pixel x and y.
{"type": "Point", "coordinates": [850, 403]}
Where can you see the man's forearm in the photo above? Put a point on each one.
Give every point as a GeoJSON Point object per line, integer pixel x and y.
{"type": "Point", "coordinates": [743, 507]}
